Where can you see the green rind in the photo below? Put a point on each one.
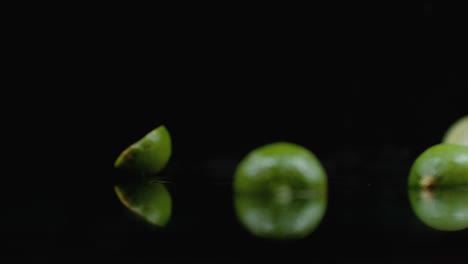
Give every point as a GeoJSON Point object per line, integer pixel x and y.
{"type": "Point", "coordinates": [441, 209]}
{"type": "Point", "coordinates": [457, 133]}
{"type": "Point", "coordinates": [149, 155]}
{"type": "Point", "coordinates": [280, 164]}
{"type": "Point", "coordinates": [447, 164]}
{"type": "Point", "coordinates": [149, 201]}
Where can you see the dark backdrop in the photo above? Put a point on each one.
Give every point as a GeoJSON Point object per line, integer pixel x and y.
{"type": "Point", "coordinates": [366, 88]}
{"type": "Point", "coordinates": [348, 76]}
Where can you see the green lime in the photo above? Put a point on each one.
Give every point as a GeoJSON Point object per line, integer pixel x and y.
{"type": "Point", "coordinates": [442, 209]}
{"type": "Point", "coordinates": [440, 165]}
{"type": "Point", "coordinates": [457, 133]}
{"type": "Point", "coordinates": [280, 216]}
{"type": "Point", "coordinates": [149, 201]}
{"type": "Point", "coordinates": [280, 166]}
{"type": "Point", "coordinates": [149, 155]}
{"type": "Point", "coordinates": [280, 191]}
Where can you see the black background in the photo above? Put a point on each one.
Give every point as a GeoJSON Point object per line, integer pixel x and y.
{"type": "Point", "coordinates": [366, 88]}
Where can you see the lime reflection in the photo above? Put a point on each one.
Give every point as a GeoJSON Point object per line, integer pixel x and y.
{"type": "Point", "coordinates": [282, 214]}
{"type": "Point", "coordinates": [441, 209]}
{"type": "Point", "coordinates": [150, 201]}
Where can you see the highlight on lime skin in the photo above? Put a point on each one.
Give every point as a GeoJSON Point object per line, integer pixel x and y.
{"type": "Point", "coordinates": [148, 155]}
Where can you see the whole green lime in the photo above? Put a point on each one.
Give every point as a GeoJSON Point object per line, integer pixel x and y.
{"type": "Point", "coordinates": [280, 191]}
{"type": "Point", "coordinates": [150, 201]}
{"type": "Point", "coordinates": [444, 209]}
{"type": "Point", "coordinates": [280, 167]}
{"type": "Point", "coordinates": [440, 165]}
{"type": "Point", "coordinates": [457, 133]}
{"type": "Point", "coordinates": [149, 155]}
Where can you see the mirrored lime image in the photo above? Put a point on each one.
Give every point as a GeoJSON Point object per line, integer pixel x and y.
{"type": "Point", "coordinates": [280, 191]}
{"type": "Point", "coordinates": [281, 216]}
{"type": "Point", "coordinates": [444, 209]}
{"type": "Point", "coordinates": [150, 201]}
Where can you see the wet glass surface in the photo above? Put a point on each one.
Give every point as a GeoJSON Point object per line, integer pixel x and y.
{"type": "Point", "coordinates": [191, 213]}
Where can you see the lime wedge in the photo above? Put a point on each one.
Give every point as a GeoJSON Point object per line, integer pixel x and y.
{"type": "Point", "coordinates": [149, 155]}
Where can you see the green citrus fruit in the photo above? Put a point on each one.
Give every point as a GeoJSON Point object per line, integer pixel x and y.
{"type": "Point", "coordinates": [457, 133]}
{"type": "Point", "coordinates": [440, 165]}
{"type": "Point", "coordinates": [280, 191]}
{"type": "Point", "coordinates": [443, 209]}
{"type": "Point", "coordinates": [280, 166]}
{"type": "Point", "coordinates": [282, 215]}
{"type": "Point", "coordinates": [149, 201]}
{"type": "Point", "coordinates": [149, 155]}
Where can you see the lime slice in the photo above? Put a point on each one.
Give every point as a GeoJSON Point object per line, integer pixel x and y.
{"type": "Point", "coordinates": [149, 155]}
{"type": "Point", "coordinates": [457, 133]}
{"type": "Point", "coordinates": [280, 166]}
{"type": "Point", "coordinates": [440, 165]}
{"type": "Point", "coordinates": [441, 209]}
{"type": "Point", "coordinates": [150, 201]}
